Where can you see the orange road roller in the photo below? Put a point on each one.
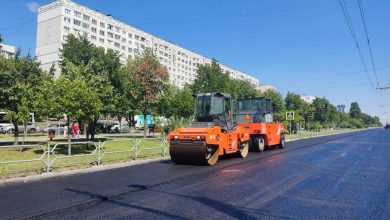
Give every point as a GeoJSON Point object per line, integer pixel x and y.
{"type": "Point", "coordinates": [255, 116]}
{"type": "Point", "coordinates": [212, 134]}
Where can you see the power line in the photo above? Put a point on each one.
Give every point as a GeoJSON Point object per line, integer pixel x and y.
{"type": "Point", "coordinates": [368, 39]}
{"type": "Point", "coordinates": [352, 31]}
{"type": "Point", "coordinates": [370, 49]}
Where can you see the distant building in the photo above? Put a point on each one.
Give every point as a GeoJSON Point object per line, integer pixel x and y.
{"type": "Point", "coordinates": [7, 50]}
{"type": "Point", "coordinates": [341, 108]}
{"type": "Point", "coordinates": [263, 88]}
{"type": "Point", "coordinates": [60, 18]}
{"type": "Point", "coordinates": [307, 98]}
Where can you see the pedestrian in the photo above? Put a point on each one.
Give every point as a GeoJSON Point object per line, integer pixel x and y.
{"type": "Point", "coordinates": [65, 130]}
{"type": "Point", "coordinates": [51, 135]}
{"type": "Point", "coordinates": [76, 130]}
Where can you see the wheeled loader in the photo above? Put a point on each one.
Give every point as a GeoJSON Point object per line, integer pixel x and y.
{"type": "Point", "coordinates": [212, 134]}
{"type": "Point", "coordinates": [255, 116]}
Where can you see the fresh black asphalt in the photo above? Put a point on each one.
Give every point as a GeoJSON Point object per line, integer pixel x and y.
{"type": "Point", "coordinates": [345, 176]}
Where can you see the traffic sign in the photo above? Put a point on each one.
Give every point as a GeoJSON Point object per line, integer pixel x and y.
{"type": "Point", "coordinates": [290, 116]}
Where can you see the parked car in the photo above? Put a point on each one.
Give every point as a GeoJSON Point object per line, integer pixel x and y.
{"type": "Point", "coordinates": [54, 128]}
{"type": "Point", "coordinates": [10, 129]}
{"type": "Point", "coordinates": [116, 128]}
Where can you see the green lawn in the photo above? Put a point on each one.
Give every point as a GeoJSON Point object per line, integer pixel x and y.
{"type": "Point", "coordinates": [115, 151]}
{"type": "Point", "coordinates": [303, 134]}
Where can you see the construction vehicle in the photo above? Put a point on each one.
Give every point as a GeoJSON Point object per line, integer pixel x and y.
{"type": "Point", "coordinates": [212, 134]}
{"type": "Point", "coordinates": [255, 116]}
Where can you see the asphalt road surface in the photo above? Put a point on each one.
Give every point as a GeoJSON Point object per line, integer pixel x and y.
{"type": "Point", "coordinates": [344, 176]}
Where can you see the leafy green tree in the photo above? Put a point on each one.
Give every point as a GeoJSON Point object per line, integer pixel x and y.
{"type": "Point", "coordinates": [21, 82]}
{"type": "Point", "coordinates": [76, 99]}
{"type": "Point", "coordinates": [321, 108]}
{"type": "Point", "coordinates": [150, 78]}
{"type": "Point", "coordinates": [210, 78]}
{"type": "Point", "coordinates": [355, 110]}
{"type": "Point", "coordinates": [100, 70]}
{"type": "Point", "coordinates": [277, 103]}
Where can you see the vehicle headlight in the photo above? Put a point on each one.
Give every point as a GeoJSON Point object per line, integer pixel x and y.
{"type": "Point", "coordinates": [176, 137]}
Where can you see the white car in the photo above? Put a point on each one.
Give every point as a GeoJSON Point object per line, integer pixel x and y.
{"type": "Point", "coordinates": [115, 128]}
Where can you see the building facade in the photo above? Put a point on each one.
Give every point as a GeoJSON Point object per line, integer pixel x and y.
{"type": "Point", "coordinates": [263, 88]}
{"type": "Point", "coordinates": [307, 98]}
{"type": "Point", "coordinates": [341, 108]}
{"type": "Point", "coordinates": [63, 17]}
{"type": "Point", "coordinates": [7, 50]}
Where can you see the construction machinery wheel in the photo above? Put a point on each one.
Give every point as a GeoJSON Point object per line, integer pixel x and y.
{"type": "Point", "coordinates": [244, 149]}
{"type": "Point", "coordinates": [204, 154]}
{"type": "Point", "coordinates": [282, 142]}
{"type": "Point", "coordinates": [258, 144]}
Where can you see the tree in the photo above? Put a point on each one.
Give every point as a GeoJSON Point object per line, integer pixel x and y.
{"type": "Point", "coordinates": [21, 83]}
{"type": "Point", "coordinates": [150, 79]}
{"type": "Point", "coordinates": [355, 111]}
{"type": "Point", "coordinates": [76, 99]}
{"type": "Point", "coordinates": [101, 71]}
{"type": "Point", "coordinates": [211, 78]}
{"type": "Point", "coordinates": [277, 103]}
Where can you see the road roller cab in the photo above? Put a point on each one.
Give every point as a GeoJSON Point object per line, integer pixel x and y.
{"type": "Point", "coordinates": [255, 116]}
{"type": "Point", "coordinates": [212, 134]}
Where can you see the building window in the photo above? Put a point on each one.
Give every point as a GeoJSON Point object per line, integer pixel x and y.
{"type": "Point", "coordinates": [86, 17]}
{"type": "Point", "coordinates": [66, 20]}
{"type": "Point", "coordinates": [66, 29]}
{"type": "Point", "coordinates": [94, 22]}
{"type": "Point", "coordinates": [123, 40]}
{"type": "Point", "coordinates": [109, 34]}
{"type": "Point", "coordinates": [118, 37]}
{"type": "Point", "coordinates": [67, 11]}
{"type": "Point", "coordinates": [143, 39]}
{"type": "Point", "coordinates": [123, 48]}
{"type": "Point", "coordinates": [93, 30]}
{"type": "Point", "coordinates": [130, 42]}
{"type": "Point", "coordinates": [130, 50]}
{"type": "Point", "coordinates": [85, 34]}
{"type": "Point", "coordinates": [130, 35]}
{"type": "Point", "coordinates": [93, 37]}
{"type": "Point", "coordinates": [117, 29]}
{"type": "Point", "coordinates": [110, 27]}
{"type": "Point", "coordinates": [101, 40]}
{"type": "Point", "coordinates": [86, 26]}
{"type": "Point", "coordinates": [102, 25]}
{"type": "Point", "coordinates": [77, 14]}
{"type": "Point", "coordinates": [117, 45]}
{"type": "Point", "coordinates": [136, 37]}
{"type": "Point", "coordinates": [101, 32]}
{"type": "Point", "coordinates": [76, 31]}
{"type": "Point", "coordinates": [65, 37]}
{"type": "Point", "coordinates": [76, 22]}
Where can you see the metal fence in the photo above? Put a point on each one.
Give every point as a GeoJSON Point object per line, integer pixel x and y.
{"type": "Point", "coordinates": [98, 151]}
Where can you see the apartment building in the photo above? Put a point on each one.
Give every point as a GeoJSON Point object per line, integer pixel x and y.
{"type": "Point", "coordinates": [63, 17]}
{"type": "Point", "coordinates": [7, 50]}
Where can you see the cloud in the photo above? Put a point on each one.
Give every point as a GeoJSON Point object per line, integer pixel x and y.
{"type": "Point", "coordinates": [33, 6]}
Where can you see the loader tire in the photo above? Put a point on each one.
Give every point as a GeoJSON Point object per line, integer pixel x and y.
{"type": "Point", "coordinates": [282, 142]}
{"type": "Point", "coordinates": [258, 144]}
{"type": "Point", "coordinates": [244, 149]}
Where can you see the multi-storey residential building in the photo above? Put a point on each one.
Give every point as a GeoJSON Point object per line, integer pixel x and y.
{"type": "Point", "coordinates": [63, 17]}
{"type": "Point", "coordinates": [341, 108]}
{"type": "Point", "coordinates": [307, 98]}
{"type": "Point", "coordinates": [7, 50]}
{"type": "Point", "coordinates": [263, 88]}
